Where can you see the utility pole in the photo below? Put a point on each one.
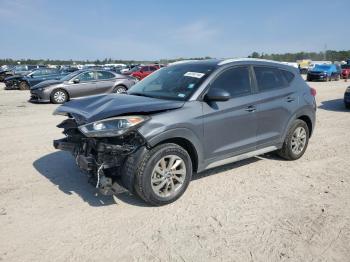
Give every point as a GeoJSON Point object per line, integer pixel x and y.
{"type": "Point", "coordinates": [325, 52]}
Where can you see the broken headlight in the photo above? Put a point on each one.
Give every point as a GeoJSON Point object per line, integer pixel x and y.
{"type": "Point", "coordinates": [113, 126]}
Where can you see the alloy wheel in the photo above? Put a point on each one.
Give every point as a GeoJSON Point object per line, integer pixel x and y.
{"type": "Point", "coordinates": [298, 140]}
{"type": "Point", "coordinates": [168, 176]}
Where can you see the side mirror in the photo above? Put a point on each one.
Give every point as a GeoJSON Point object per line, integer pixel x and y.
{"type": "Point", "coordinates": [217, 94]}
{"type": "Point", "coordinates": [76, 80]}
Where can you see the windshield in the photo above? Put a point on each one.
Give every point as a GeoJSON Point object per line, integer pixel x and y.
{"type": "Point", "coordinates": [176, 82]}
{"type": "Point", "coordinates": [70, 76]}
{"type": "Point", "coordinates": [322, 67]}
{"type": "Point", "coordinates": [134, 69]}
{"type": "Point", "coordinates": [345, 66]}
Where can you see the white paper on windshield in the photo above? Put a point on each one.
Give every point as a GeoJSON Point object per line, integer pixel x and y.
{"type": "Point", "coordinates": [194, 74]}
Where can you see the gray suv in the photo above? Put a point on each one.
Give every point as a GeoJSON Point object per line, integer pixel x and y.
{"type": "Point", "coordinates": [187, 118]}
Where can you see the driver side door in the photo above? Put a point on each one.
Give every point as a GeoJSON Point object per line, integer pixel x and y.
{"type": "Point", "coordinates": [230, 126]}
{"type": "Point", "coordinates": [83, 84]}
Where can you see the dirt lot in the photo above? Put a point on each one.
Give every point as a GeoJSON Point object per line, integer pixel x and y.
{"type": "Point", "coordinates": [261, 209]}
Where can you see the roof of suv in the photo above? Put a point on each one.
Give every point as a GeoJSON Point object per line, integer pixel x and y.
{"type": "Point", "coordinates": [221, 62]}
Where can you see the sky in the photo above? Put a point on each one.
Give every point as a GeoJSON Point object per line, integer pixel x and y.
{"type": "Point", "coordinates": [155, 29]}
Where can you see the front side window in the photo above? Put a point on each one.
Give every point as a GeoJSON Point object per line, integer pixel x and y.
{"type": "Point", "coordinates": [269, 78]}
{"type": "Point", "coordinates": [177, 82]}
{"type": "Point", "coordinates": [103, 75]}
{"type": "Point", "coordinates": [38, 73]}
{"type": "Point", "coordinates": [236, 81]}
{"type": "Point", "coordinates": [87, 76]}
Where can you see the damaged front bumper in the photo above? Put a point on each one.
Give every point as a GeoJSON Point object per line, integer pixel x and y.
{"type": "Point", "coordinates": [101, 158]}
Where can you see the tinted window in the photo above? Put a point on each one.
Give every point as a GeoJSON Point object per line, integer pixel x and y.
{"type": "Point", "coordinates": [288, 76]}
{"type": "Point", "coordinates": [153, 68]}
{"type": "Point", "coordinates": [269, 78]}
{"type": "Point", "coordinates": [145, 68]}
{"type": "Point", "coordinates": [31, 67]}
{"type": "Point", "coordinates": [235, 81]}
{"type": "Point", "coordinates": [101, 75]}
{"type": "Point", "coordinates": [87, 76]}
{"type": "Point", "coordinates": [345, 66]}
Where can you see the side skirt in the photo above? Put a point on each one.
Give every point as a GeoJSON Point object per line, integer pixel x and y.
{"type": "Point", "coordinates": [241, 157]}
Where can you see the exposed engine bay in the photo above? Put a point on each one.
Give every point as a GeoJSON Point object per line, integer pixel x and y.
{"type": "Point", "coordinates": [101, 158]}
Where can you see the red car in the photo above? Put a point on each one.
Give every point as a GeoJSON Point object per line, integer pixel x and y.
{"type": "Point", "coordinates": [345, 71]}
{"type": "Point", "coordinates": [143, 71]}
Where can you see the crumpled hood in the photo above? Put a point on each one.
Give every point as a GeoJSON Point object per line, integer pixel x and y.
{"type": "Point", "coordinates": [46, 84]}
{"type": "Point", "coordinates": [100, 107]}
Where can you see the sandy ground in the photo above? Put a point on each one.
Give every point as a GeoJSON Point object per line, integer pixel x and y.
{"type": "Point", "coordinates": [261, 209]}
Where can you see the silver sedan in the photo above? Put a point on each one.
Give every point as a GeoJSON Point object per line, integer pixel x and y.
{"type": "Point", "coordinates": [79, 84]}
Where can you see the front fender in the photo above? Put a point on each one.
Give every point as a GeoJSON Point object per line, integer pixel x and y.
{"type": "Point", "coordinates": [183, 133]}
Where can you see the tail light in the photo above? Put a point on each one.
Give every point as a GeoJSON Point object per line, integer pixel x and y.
{"type": "Point", "coordinates": [313, 91]}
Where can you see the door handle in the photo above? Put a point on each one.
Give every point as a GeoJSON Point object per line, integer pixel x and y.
{"type": "Point", "coordinates": [290, 99]}
{"type": "Point", "coordinates": [250, 109]}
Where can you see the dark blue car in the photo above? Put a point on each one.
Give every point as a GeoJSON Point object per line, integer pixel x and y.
{"type": "Point", "coordinates": [24, 82]}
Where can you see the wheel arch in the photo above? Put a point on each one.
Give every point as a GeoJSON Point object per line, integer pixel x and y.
{"type": "Point", "coordinates": [184, 138]}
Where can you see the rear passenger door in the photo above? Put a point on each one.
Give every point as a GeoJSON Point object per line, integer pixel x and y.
{"type": "Point", "coordinates": [105, 82]}
{"type": "Point", "coordinates": [276, 102]}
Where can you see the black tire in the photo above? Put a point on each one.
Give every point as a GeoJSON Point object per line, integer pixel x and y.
{"type": "Point", "coordinates": [347, 106]}
{"type": "Point", "coordinates": [58, 96]}
{"type": "Point", "coordinates": [286, 151]}
{"type": "Point", "coordinates": [142, 173]}
{"type": "Point", "coordinates": [120, 89]}
{"type": "Point", "coordinates": [23, 85]}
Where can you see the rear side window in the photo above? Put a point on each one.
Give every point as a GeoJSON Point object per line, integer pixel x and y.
{"type": "Point", "coordinates": [269, 78]}
{"type": "Point", "coordinates": [288, 76]}
{"type": "Point", "coordinates": [103, 75]}
{"type": "Point", "coordinates": [235, 81]}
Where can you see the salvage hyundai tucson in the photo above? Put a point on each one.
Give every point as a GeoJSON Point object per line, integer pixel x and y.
{"type": "Point", "coordinates": [185, 118]}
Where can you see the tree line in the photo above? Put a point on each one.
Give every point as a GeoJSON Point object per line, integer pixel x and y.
{"type": "Point", "coordinates": [329, 55]}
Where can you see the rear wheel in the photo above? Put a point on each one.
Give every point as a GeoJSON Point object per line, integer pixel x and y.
{"type": "Point", "coordinates": [163, 174]}
{"type": "Point", "coordinates": [347, 105]}
{"type": "Point", "coordinates": [59, 96]}
{"type": "Point", "coordinates": [296, 141]}
{"type": "Point", "coordinates": [120, 90]}
{"type": "Point", "coordinates": [23, 85]}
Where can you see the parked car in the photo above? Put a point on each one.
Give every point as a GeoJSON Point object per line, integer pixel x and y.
{"type": "Point", "coordinates": [324, 72]}
{"type": "Point", "coordinates": [345, 71]}
{"type": "Point", "coordinates": [141, 72]}
{"type": "Point", "coordinates": [347, 98]}
{"type": "Point", "coordinates": [187, 118]}
{"type": "Point", "coordinates": [5, 72]}
{"type": "Point", "coordinates": [80, 83]}
{"type": "Point", "coordinates": [24, 82]}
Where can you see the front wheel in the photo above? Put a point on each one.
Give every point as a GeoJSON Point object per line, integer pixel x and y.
{"type": "Point", "coordinates": [296, 141]}
{"type": "Point", "coordinates": [23, 85]}
{"type": "Point", "coordinates": [59, 96]}
{"type": "Point", "coordinates": [163, 175]}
